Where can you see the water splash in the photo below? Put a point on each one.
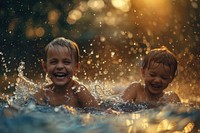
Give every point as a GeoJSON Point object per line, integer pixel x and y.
{"type": "Point", "coordinates": [144, 117]}
{"type": "Point", "coordinates": [24, 88]}
{"type": "Point", "coordinates": [3, 61]}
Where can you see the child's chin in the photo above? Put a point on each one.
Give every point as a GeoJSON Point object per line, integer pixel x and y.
{"type": "Point", "coordinates": [155, 90]}
{"type": "Point", "coordinates": [60, 83]}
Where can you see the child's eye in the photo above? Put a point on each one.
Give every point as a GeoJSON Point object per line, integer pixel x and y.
{"type": "Point", "coordinates": [152, 74]}
{"type": "Point", "coordinates": [67, 62]}
{"type": "Point", "coordinates": [53, 62]}
{"type": "Point", "coordinates": [165, 78]}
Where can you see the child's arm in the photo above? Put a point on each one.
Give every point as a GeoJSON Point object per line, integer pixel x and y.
{"type": "Point", "coordinates": [130, 93]}
{"type": "Point", "coordinates": [86, 98]}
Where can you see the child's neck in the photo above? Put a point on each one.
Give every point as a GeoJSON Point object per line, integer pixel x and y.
{"type": "Point", "coordinates": [150, 96]}
{"type": "Point", "coordinates": [64, 88]}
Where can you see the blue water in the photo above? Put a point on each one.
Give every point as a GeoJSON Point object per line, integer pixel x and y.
{"type": "Point", "coordinates": [19, 113]}
{"type": "Point", "coordinates": [144, 117]}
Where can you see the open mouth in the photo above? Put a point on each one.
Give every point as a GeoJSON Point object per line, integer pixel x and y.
{"type": "Point", "coordinates": [156, 86]}
{"type": "Point", "coordinates": [60, 75]}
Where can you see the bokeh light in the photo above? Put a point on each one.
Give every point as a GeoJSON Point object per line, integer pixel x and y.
{"type": "Point", "coordinates": [112, 35]}
{"type": "Point", "coordinates": [123, 5]}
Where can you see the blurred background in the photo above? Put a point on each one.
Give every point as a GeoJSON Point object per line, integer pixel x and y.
{"type": "Point", "coordinates": [113, 35]}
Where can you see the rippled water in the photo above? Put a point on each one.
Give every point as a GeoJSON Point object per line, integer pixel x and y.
{"type": "Point", "coordinates": [25, 116]}
{"type": "Point", "coordinates": [113, 37]}
{"type": "Point", "coordinates": [164, 118]}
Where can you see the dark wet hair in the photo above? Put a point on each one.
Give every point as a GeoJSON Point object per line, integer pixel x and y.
{"type": "Point", "coordinates": [61, 41]}
{"type": "Point", "coordinates": [161, 55]}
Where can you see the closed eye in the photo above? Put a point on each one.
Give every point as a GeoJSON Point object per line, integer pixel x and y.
{"type": "Point", "coordinates": [53, 62]}
{"type": "Point", "coordinates": [165, 77]}
{"type": "Point", "coordinates": [66, 62]}
{"type": "Point", "coordinates": [152, 74]}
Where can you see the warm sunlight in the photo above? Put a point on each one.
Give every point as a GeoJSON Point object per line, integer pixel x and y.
{"type": "Point", "coordinates": [156, 3]}
{"type": "Point", "coordinates": [123, 5]}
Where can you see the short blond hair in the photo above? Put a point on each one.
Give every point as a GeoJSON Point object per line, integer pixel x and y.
{"type": "Point", "coordinates": [61, 41]}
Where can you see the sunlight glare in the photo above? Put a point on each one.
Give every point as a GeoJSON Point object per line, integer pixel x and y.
{"type": "Point", "coordinates": [164, 125]}
{"type": "Point", "coordinates": [39, 32]}
{"type": "Point", "coordinates": [123, 5]}
{"type": "Point", "coordinates": [154, 3]}
{"type": "Point", "coordinates": [73, 16]}
{"type": "Point", "coordinates": [96, 4]}
{"type": "Point", "coordinates": [188, 128]}
{"type": "Point", "coordinates": [53, 16]}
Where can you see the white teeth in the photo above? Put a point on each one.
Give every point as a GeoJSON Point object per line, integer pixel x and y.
{"type": "Point", "coordinates": [60, 75]}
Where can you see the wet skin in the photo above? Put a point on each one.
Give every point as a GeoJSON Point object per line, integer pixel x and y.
{"type": "Point", "coordinates": [60, 67]}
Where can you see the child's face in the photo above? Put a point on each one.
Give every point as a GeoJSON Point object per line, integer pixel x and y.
{"type": "Point", "coordinates": [60, 65]}
{"type": "Point", "coordinates": [157, 77]}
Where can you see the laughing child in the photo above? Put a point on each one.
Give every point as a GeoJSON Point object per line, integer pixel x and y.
{"type": "Point", "coordinates": [159, 68]}
{"type": "Point", "coordinates": [60, 64]}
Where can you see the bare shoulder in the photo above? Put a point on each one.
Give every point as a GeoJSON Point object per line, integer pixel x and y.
{"type": "Point", "coordinates": [84, 96]}
{"type": "Point", "coordinates": [171, 97]}
{"type": "Point", "coordinates": [131, 91]}
{"type": "Point", "coordinates": [135, 86]}
{"type": "Point", "coordinates": [39, 96]}
{"type": "Point", "coordinates": [79, 88]}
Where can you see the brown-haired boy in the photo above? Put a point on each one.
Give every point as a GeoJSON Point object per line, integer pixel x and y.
{"type": "Point", "coordinates": [158, 70]}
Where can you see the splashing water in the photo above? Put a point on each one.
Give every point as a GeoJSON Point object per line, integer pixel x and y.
{"type": "Point", "coordinates": [24, 88]}
{"type": "Point", "coordinates": [26, 116]}
{"type": "Point", "coordinates": [117, 31]}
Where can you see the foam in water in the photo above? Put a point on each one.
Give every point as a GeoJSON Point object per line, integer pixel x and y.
{"type": "Point", "coordinates": [25, 116]}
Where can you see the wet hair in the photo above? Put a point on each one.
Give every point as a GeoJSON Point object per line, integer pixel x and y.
{"type": "Point", "coordinates": [161, 55]}
{"type": "Point", "coordinates": [63, 42]}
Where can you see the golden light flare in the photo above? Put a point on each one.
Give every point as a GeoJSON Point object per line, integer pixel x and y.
{"type": "Point", "coordinates": [123, 5]}
{"type": "Point", "coordinates": [188, 128]}
{"type": "Point", "coordinates": [164, 125]}
{"type": "Point", "coordinates": [155, 3]}
{"type": "Point", "coordinates": [102, 38]}
{"type": "Point", "coordinates": [96, 5]}
{"type": "Point", "coordinates": [111, 19]}
{"type": "Point", "coordinates": [53, 16]}
{"type": "Point", "coordinates": [73, 16]}
{"type": "Point", "coordinates": [39, 32]}
{"type": "Point", "coordinates": [30, 32]}
{"type": "Point", "coordinates": [136, 116]}
{"type": "Point", "coordinates": [153, 15]}
{"type": "Point", "coordinates": [161, 7]}
{"type": "Point", "coordinates": [83, 6]}
{"type": "Point", "coordinates": [129, 122]}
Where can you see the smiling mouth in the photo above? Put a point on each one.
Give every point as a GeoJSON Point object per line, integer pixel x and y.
{"type": "Point", "coordinates": [157, 86]}
{"type": "Point", "coordinates": [60, 75]}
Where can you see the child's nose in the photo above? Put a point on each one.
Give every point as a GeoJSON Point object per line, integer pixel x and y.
{"type": "Point", "coordinates": [60, 65]}
{"type": "Point", "coordinates": [157, 79]}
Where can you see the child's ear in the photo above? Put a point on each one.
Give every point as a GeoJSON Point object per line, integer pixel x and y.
{"type": "Point", "coordinates": [44, 66]}
{"type": "Point", "coordinates": [142, 72]}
